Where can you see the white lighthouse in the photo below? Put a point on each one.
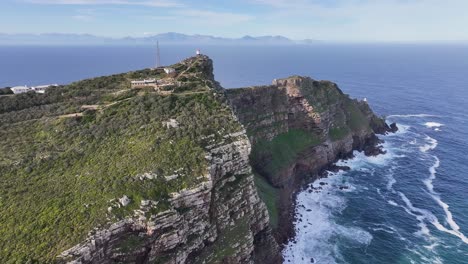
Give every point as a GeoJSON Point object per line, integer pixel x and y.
{"type": "Point", "coordinates": [198, 52]}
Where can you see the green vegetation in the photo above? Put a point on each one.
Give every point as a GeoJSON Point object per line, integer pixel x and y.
{"type": "Point", "coordinates": [337, 133]}
{"type": "Point", "coordinates": [321, 95]}
{"type": "Point", "coordinates": [269, 196]}
{"type": "Point", "coordinates": [326, 96]}
{"type": "Point", "coordinates": [224, 247]}
{"type": "Point", "coordinates": [6, 90]}
{"type": "Point", "coordinates": [356, 119]}
{"type": "Point", "coordinates": [58, 174]}
{"type": "Point", "coordinates": [131, 242]}
{"type": "Point", "coordinates": [278, 153]}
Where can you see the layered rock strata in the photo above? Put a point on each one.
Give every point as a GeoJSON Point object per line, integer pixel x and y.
{"type": "Point", "coordinates": [319, 110]}
{"type": "Point", "coordinates": [294, 129]}
{"type": "Point", "coordinates": [220, 220]}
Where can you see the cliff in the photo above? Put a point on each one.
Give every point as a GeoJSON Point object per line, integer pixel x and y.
{"type": "Point", "coordinates": [97, 172]}
{"type": "Point", "coordinates": [299, 127]}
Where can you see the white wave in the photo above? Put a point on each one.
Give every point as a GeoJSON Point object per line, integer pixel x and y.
{"type": "Point", "coordinates": [433, 124]}
{"type": "Point", "coordinates": [425, 259]}
{"type": "Point", "coordinates": [355, 234]}
{"type": "Point", "coordinates": [419, 214]}
{"type": "Point", "coordinates": [432, 246]}
{"type": "Point", "coordinates": [451, 231]}
{"type": "Point", "coordinates": [384, 228]}
{"type": "Point", "coordinates": [432, 170]}
{"type": "Point", "coordinates": [391, 181]}
{"type": "Point", "coordinates": [423, 214]}
{"type": "Point", "coordinates": [402, 129]}
{"type": "Point", "coordinates": [315, 226]}
{"type": "Point", "coordinates": [431, 144]}
{"type": "Point", "coordinates": [454, 227]}
{"type": "Point", "coordinates": [391, 202]}
{"type": "Point", "coordinates": [361, 161]}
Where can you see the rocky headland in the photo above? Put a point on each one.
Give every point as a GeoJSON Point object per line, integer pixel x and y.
{"type": "Point", "coordinates": [299, 128]}
{"type": "Point", "coordinates": [200, 175]}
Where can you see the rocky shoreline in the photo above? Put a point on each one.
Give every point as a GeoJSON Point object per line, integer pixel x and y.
{"type": "Point", "coordinates": [270, 113]}
{"type": "Point", "coordinates": [286, 231]}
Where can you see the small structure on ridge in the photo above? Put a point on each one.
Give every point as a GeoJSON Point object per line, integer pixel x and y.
{"type": "Point", "coordinates": [170, 71]}
{"type": "Point", "coordinates": [144, 83]}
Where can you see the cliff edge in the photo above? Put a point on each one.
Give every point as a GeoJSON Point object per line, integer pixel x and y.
{"type": "Point", "coordinates": [181, 171]}
{"type": "Point", "coordinates": [98, 172]}
{"type": "Point", "coordinates": [298, 128]}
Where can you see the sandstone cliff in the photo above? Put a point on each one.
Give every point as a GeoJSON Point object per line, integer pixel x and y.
{"type": "Point", "coordinates": [298, 127]}
{"type": "Point", "coordinates": [103, 173]}
{"type": "Point", "coordinates": [219, 220]}
{"type": "Point", "coordinates": [96, 172]}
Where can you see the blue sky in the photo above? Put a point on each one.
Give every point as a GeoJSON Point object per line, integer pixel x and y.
{"type": "Point", "coordinates": [332, 20]}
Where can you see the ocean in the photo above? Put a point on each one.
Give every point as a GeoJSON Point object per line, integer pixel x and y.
{"type": "Point", "coordinates": [407, 206]}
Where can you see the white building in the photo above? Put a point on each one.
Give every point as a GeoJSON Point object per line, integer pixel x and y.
{"type": "Point", "coordinates": [144, 83]}
{"type": "Point", "coordinates": [20, 89]}
{"type": "Point", "coordinates": [169, 70]}
{"type": "Point", "coordinates": [42, 88]}
{"type": "Point", "coordinates": [37, 89]}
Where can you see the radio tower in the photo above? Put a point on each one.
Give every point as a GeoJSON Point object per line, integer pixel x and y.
{"type": "Point", "coordinates": [158, 57]}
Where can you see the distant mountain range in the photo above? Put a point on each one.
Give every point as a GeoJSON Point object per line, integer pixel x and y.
{"type": "Point", "coordinates": [164, 38]}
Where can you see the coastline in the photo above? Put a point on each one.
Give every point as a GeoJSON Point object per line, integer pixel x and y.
{"type": "Point", "coordinates": [286, 223]}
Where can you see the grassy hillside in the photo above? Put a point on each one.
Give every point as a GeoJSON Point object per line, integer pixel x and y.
{"type": "Point", "coordinates": [61, 165]}
{"type": "Point", "coordinates": [272, 156]}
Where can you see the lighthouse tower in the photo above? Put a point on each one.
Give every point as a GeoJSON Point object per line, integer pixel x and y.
{"type": "Point", "coordinates": [198, 52]}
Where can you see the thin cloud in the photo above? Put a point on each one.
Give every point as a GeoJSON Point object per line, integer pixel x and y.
{"type": "Point", "coordinates": [215, 17]}
{"type": "Point", "coordinates": [85, 15]}
{"type": "Point", "coordinates": [151, 3]}
{"type": "Point", "coordinates": [83, 18]}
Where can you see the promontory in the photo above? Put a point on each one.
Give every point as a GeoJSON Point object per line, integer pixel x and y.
{"type": "Point", "coordinates": [166, 166]}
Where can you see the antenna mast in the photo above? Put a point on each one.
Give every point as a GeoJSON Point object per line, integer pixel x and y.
{"type": "Point", "coordinates": [158, 57]}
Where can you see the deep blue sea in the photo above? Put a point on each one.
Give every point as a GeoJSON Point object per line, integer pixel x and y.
{"type": "Point", "coordinates": [407, 206]}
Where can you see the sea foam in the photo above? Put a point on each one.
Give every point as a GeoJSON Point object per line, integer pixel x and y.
{"type": "Point", "coordinates": [433, 124]}
{"type": "Point", "coordinates": [431, 144]}
{"type": "Point", "coordinates": [315, 225]}
{"type": "Point", "coordinates": [454, 227]}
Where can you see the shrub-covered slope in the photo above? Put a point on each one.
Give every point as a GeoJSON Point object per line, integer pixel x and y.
{"type": "Point", "coordinates": [68, 156]}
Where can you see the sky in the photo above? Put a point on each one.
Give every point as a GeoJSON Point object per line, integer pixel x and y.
{"type": "Point", "coordinates": [327, 20]}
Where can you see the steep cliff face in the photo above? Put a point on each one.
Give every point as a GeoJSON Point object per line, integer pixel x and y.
{"type": "Point", "coordinates": [142, 177]}
{"type": "Point", "coordinates": [299, 127]}
{"type": "Point", "coordinates": [221, 219]}
{"type": "Point", "coordinates": [96, 172]}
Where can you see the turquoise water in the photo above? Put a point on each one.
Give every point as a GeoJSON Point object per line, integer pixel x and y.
{"type": "Point", "coordinates": [408, 206]}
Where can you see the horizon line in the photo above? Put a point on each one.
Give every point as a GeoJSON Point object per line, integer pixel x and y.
{"type": "Point", "coordinates": [312, 41]}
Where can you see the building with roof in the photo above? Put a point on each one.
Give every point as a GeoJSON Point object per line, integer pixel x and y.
{"type": "Point", "coordinates": [42, 88]}
{"type": "Point", "coordinates": [37, 89]}
{"type": "Point", "coordinates": [20, 89]}
{"type": "Point", "coordinates": [144, 83]}
{"type": "Point", "coordinates": [169, 70]}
